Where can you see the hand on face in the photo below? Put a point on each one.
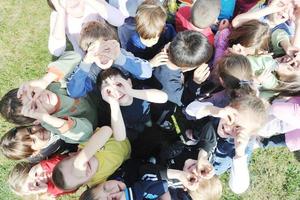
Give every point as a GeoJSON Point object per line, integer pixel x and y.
{"type": "Point", "coordinates": [109, 94]}
{"type": "Point", "coordinates": [30, 91]}
{"type": "Point", "coordinates": [241, 142]}
{"type": "Point", "coordinates": [224, 23]}
{"type": "Point", "coordinates": [228, 113]}
{"type": "Point", "coordinates": [201, 168]}
{"type": "Point", "coordinates": [103, 53]}
{"type": "Point", "coordinates": [201, 73]}
{"type": "Point", "coordinates": [278, 5]}
{"type": "Point", "coordinates": [34, 109]}
{"type": "Point", "coordinates": [37, 180]}
{"type": "Point", "coordinates": [159, 59]}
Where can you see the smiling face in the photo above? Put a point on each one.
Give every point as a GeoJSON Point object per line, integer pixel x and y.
{"type": "Point", "coordinates": [286, 71]}
{"type": "Point", "coordinates": [36, 181]}
{"type": "Point", "coordinates": [47, 98]}
{"type": "Point", "coordinates": [66, 167]}
{"type": "Point", "coordinates": [244, 123]}
{"type": "Point", "coordinates": [114, 88]}
{"type": "Point", "coordinates": [39, 136]}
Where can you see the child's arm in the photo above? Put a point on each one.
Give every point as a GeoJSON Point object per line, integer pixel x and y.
{"type": "Point", "coordinates": [239, 179]}
{"type": "Point", "coordinates": [96, 142]}
{"type": "Point", "coordinates": [139, 68]}
{"type": "Point", "coordinates": [58, 71]}
{"type": "Point", "coordinates": [151, 95]}
{"type": "Point", "coordinates": [202, 109]}
{"type": "Point", "coordinates": [117, 122]}
{"type": "Point", "coordinates": [71, 130]}
{"type": "Point", "coordinates": [273, 7]}
{"type": "Point", "coordinates": [57, 37]}
{"type": "Point", "coordinates": [296, 40]}
{"type": "Point", "coordinates": [111, 14]}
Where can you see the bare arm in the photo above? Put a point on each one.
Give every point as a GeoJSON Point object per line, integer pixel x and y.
{"type": "Point", "coordinates": [96, 142]}
{"type": "Point", "coordinates": [111, 14]}
{"type": "Point", "coordinates": [275, 6]}
{"type": "Point", "coordinates": [151, 95]}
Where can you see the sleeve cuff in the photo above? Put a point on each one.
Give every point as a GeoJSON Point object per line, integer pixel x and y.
{"type": "Point", "coordinates": [69, 123]}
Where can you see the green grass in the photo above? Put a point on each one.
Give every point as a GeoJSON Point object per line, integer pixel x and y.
{"type": "Point", "coordinates": [24, 29]}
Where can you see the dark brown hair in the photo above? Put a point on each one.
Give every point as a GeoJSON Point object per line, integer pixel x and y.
{"type": "Point", "coordinates": [15, 145]}
{"type": "Point", "coordinates": [190, 49]}
{"type": "Point", "coordinates": [10, 108]}
{"type": "Point", "coordinates": [95, 30]}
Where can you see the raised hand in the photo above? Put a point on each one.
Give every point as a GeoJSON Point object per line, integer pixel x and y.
{"type": "Point", "coordinates": [159, 59]}
{"type": "Point", "coordinates": [201, 73]}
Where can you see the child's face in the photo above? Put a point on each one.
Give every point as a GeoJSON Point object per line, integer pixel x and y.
{"type": "Point", "coordinates": [114, 87]}
{"type": "Point", "coordinates": [244, 122]}
{"type": "Point", "coordinates": [39, 136]}
{"type": "Point", "coordinates": [285, 71]}
{"type": "Point", "coordinates": [69, 172]}
{"type": "Point", "coordinates": [150, 42]}
{"type": "Point", "coordinates": [36, 181]}
{"type": "Point", "coordinates": [103, 53]}
{"type": "Point", "coordinates": [106, 190]}
{"type": "Point", "coordinates": [47, 99]}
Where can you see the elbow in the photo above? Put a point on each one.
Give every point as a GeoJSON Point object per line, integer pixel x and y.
{"type": "Point", "coordinates": [239, 188]}
{"type": "Point", "coordinates": [164, 97]}
{"type": "Point", "coordinates": [56, 51]}
{"type": "Point", "coordinates": [120, 138]}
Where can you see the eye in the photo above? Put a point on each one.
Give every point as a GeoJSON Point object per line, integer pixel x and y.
{"type": "Point", "coordinates": [36, 184]}
{"type": "Point", "coordinates": [119, 84]}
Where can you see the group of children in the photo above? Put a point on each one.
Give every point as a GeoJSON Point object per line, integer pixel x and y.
{"type": "Point", "coordinates": [157, 99]}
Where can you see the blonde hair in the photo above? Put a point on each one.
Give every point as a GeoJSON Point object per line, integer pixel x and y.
{"type": "Point", "coordinates": [251, 34]}
{"type": "Point", "coordinates": [17, 178]}
{"type": "Point", "coordinates": [150, 19]}
{"type": "Point", "coordinates": [209, 189]}
{"type": "Point", "coordinates": [253, 104]}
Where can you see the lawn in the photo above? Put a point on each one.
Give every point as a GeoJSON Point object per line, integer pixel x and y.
{"type": "Point", "coordinates": [24, 28]}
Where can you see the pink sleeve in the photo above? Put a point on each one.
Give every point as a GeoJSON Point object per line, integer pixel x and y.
{"type": "Point", "coordinates": [221, 44]}
{"type": "Point", "coordinates": [115, 16]}
{"type": "Point", "coordinates": [287, 112]}
{"type": "Point", "coordinates": [292, 140]}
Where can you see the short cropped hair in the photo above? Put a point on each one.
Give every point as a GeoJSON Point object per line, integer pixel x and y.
{"type": "Point", "coordinates": [16, 146]}
{"type": "Point", "coordinates": [95, 30]}
{"type": "Point", "coordinates": [150, 19]}
{"type": "Point", "coordinates": [10, 108]}
{"type": "Point", "coordinates": [205, 12]}
{"type": "Point", "coordinates": [58, 178]}
{"type": "Point", "coordinates": [104, 74]}
{"type": "Point", "coordinates": [190, 49]}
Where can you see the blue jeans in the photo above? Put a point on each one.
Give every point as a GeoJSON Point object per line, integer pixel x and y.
{"type": "Point", "coordinates": [224, 153]}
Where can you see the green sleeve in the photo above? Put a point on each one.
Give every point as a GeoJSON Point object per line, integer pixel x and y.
{"type": "Point", "coordinates": [276, 37]}
{"type": "Point", "coordinates": [80, 131]}
{"type": "Point", "coordinates": [65, 65]}
{"type": "Point", "coordinates": [261, 63]}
